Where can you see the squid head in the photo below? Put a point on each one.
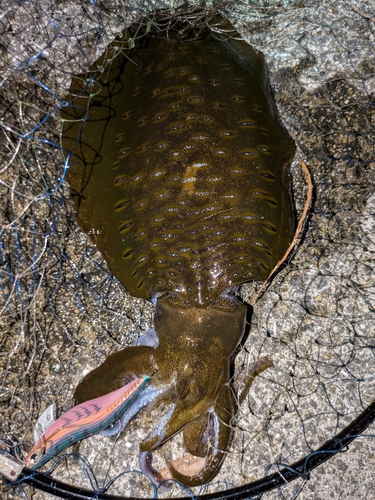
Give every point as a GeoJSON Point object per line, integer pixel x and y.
{"type": "Point", "coordinates": [190, 373]}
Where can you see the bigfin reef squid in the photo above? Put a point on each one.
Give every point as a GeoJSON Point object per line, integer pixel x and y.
{"type": "Point", "coordinates": [179, 171]}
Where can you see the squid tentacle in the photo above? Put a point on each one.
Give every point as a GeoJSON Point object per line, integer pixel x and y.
{"type": "Point", "coordinates": [220, 434]}
{"type": "Point", "coordinates": [148, 397]}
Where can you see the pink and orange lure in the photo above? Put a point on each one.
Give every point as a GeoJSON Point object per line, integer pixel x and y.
{"type": "Point", "coordinates": [82, 421]}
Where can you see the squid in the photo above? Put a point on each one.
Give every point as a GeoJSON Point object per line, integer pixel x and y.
{"type": "Point", "coordinates": [179, 171]}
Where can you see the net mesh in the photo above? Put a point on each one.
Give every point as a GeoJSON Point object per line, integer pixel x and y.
{"type": "Point", "coordinates": [62, 312]}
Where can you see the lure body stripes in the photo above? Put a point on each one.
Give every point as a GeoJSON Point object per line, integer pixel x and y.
{"type": "Point", "coordinates": [82, 421]}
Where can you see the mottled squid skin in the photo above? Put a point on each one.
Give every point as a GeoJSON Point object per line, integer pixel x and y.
{"type": "Point", "coordinates": [180, 175]}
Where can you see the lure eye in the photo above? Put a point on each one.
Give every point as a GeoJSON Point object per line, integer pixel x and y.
{"type": "Point", "coordinates": [34, 458]}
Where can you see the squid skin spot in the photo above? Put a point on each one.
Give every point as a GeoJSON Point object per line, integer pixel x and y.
{"type": "Point", "coordinates": [155, 92]}
{"type": "Point", "coordinates": [169, 236]}
{"type": "Point", "coordinates": [175, 105]}
{"type": "Point", "coordinates": [238, 98]}
{"type": "Point", "coordinates": [262, 245]}
{"type": "Point", "coordinates": [228, 133]}
{"type": "Point", "coordinates": [126, 115]}
{"type": "Point", "coordinates": [173, 90]}
{"type": "Point", "coordinates": [175, 128]}
{"type": "Point", "coordinates": [140, 284]}
{"type": "Point", "coordinates": [264, 149]}
{"type": "Point", "coordinates": [159, 118]}
{"type": "Point", "coordinates": [119, 137]}
{"type": "Point", "coordinates": [161, 147]}
{"type": "Point", "coordinates": [239, 80]}
{"type": "Point", "coordinates": [267, 175]}
{"type": "Point", "coordinates": [142, 121]}
{"type": "Point", "coordinates": [215, 82]}
{"type": "Point", "coordinates": [121, 179]}
{"type": "Point", "coordinates": [239, 171]}
{"type": "Point", "coordinates": [217, 233]}
{"type": "Point", "coordinates": [195, 98]}
{"type": "Point", "coordinates": [247, 124]}
{"type": "Point", "coordinates": [194, 78]}
{"type": "Point", "coordinates": [139, 261]}
{"type": "Point", "coordinates": [200, 137]}
{"type": "Point", "coordinates": [158, 173]}
{"type": "Point", "coordinates": [241, 257]}
{"type": "Point", "coordinates": [199, 251]}
{"type": "Point", "coordinates": [116, 165]}
{"type": "Point", "coordinates": [154, 245]}
{"type": "Point", "coordinates": [126, 226]}
{"type": "Point", "coordinates": [123, 152]}
{"type": "Point", "coordinates": [135, 272]}
{"type": "Point", "coordinates": [143, 148]}
{"type": "Point", "coordinates": [137, 91]}
{"type": "Point", "coordinates": [176, 71]}
{"type": "Point", "coordinates": [192, 117]}
{"type": "Point", "coordinates": [249, 153]}
{"type": "Point", "coordinates": [260, 263]}
{"type": "Point", "coordinates": [272, 203]}
{"type": "Point", "coordinates": [121, 204]}
{"type": "Point", "coordinates": [264, 131]}
{"type": "Point", "coordinates": [226, 66]}
{"type": "Point", "coordinates": [258, 193]}
{"type": "Point", "coordinates": [271, 228]}
{"type": "Point", "coordinates": [128, 254]}
{"type": "Point", "coordinates": [137, 178]}
{"type": "Point", "coordinates": [141, 205]}
{"type": "Point", "coordinates": [139, 235]}
{"type": "Point", "coordinates": [251, 218]}
{"type": "Point", "coordinates": [218, 105]}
